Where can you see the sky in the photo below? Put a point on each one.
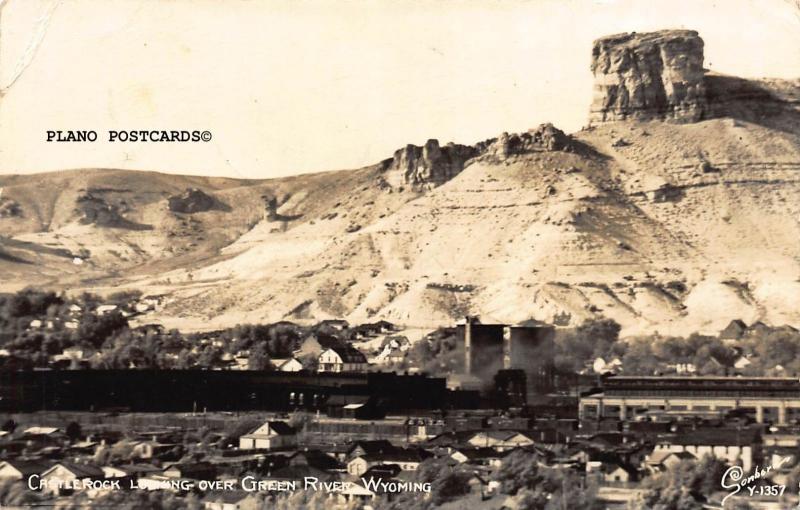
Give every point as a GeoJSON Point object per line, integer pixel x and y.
{"type": "Point", "coordinates": [289, 87]}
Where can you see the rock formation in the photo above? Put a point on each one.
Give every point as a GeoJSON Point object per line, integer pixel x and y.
{"type": "Point", "coordinates": [427, 165]}
{"type": "Point", "coordinates": [546, 137]}
{"type": "Point", "coordinates": [191, 201]}
{"type": "Point", "coordinates": [657, 75]}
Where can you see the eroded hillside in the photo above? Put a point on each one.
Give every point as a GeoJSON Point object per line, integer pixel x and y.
{"type": "Point", "coordinates": [676, 211]}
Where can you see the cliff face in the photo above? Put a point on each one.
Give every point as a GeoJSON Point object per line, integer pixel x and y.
{"type": "Point", "coordinates": [657, 75]}
{"type": "Point", "coordinates": [431, 165]}
{"type": "Point", "coordinates": [427, 165]}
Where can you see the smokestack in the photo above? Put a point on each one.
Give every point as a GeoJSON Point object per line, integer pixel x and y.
{"type": "Point", "coordinates": [467, 344]}
{"type": "Point", "coordinates": [507, 347]}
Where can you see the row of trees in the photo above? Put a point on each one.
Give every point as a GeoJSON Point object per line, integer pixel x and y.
{"type": "Point", "coordinates": [776, 351]}
{"type": "Point", "coordinates": [119, 346]}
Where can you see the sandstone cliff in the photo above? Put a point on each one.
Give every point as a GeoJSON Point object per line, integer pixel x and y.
{"type": "Point", "coordinates": [656, 75]}
{"type": "Point", "coordinates": [427, 165]}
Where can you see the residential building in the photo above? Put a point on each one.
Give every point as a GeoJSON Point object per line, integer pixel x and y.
{"type": "Point", "coordinates": [736, 446]}
{"type": "Point", "coordinates": [269, 436]}
{"type": "Point", "coordinates": [407, 459]}
{"type": "Point", "coordinates": [342, 359]}
{"type": "Point", "coordinates": [21, 469]}
{"type": "Point", "coordinates": [59, 479]}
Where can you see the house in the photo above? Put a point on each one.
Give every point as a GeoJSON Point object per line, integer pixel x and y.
{"type": "Point", "coordinates": [393, 351]}
{"type": "Point", "coordinates": [732, 445]}
{"type": "Point", "coordinates": [662, 460]}
{"type": "Point", "coordinates": [191, 470]}
{"type": "Point", "coordinates": [360, 448]}
{"type": "Point", "coordinates": [151, 448]}
{"type": "Point", "coordinates": [733, 331]}
{"type": "Point", "coordinates": [354, 407]}
{"type": "Point", "coordinates": [407, 459]}
{"type": "Point", "coordinates": [71, 353]}
{"type": "Point", "coordinates": [232, 500]}
{"type": "Point", "coordinates": [355, 491]}
{"type": "Point", "coordinates": [315, 459]}
{"type": "Point", "coordinates": [21, 469]}
{"type": "Point", "coordinates": [313, 345]}
{"type": "Point", "coordinates": [499, 439]}
{"type": "Point", "coordinates": [613, 471]}
{"type": "Point", "coordinates": [342, 359]}
{"type": "Point", "coordinates": [478, 456]}
{"type": "Point", "coordinates": [104, 309]}
{"type": "Point", "coordinates": [41, 431]}
{"type": "Point", "coordinates": [287, 365]}
{"type": "Point", "coordinates": [369, 330]}
{"type": "Point", "coordinates": [757, 329]}
{"type": "Point", "coordinates": [130, 471]}
{"type": "Point", "coordinates": [269, 436]}
{"type": "Point", "coordinates": [600, 366]}
{"type": "Point", "coordinates": [62, 477]}
{"type": "Point", "coordinates": [336, 324]}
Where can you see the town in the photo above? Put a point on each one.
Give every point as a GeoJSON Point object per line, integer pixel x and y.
{"type": "Point", "coordinates": [97, 410]}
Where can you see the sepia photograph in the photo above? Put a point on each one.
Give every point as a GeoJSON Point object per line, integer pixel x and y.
{"type": "Point", "coordinates": [400, 254]}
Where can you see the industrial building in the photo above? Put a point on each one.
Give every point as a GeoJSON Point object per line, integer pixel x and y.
{"type": "Point", "coordinates": [766, 399]}
{"type": "Point", "coordinates": [490, 348]}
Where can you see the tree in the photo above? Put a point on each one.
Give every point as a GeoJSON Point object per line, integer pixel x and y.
{"type": "Point", "coordinates": [448, 483]}
{"type": "Point", "coordinates": [592, 339]}
{"type": "Point", "coordinates": [16, 494]}
{"type": "Point", "coordinates": [519, 470]}
{"type": "Point", "coordinates": [259, 359]}
{"type": "Point", "coordinates": [73, 431]}
{"type": "Point", "coordinates": [683, 486]}
{"type": "Point", "coordinates": [94, 329]}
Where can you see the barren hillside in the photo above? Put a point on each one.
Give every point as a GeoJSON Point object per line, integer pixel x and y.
{"type": "Point", "coordinates": [677, 211]}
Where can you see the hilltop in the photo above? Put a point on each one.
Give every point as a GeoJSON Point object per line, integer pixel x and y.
{"type": "Point", "coordinates": [675, 211]}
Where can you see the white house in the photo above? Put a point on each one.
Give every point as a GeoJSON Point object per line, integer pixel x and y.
{"type": "Point", "coordinates": [730, 445]}
{"type": "Point", "coordinates": [287, 365]}
{"type": "Point", "coordinates": [406, 460]}
{"type": "Point", "coordinates": [63, 477]}
{"type": "Point", "coordinates": [500, 440]}
{"type": "Point", "coordinates": [269, 436]}
{"type": "Point", "coordinates": [19, 469]}
{"type": "Point", "coordinates": [40, 431]}
{"type": "Point", "coordinates": [104, 309]}
{"type": "Point", "coordinates": [232, 501]}
{"type": "Point", "coordinates": [342, 359]}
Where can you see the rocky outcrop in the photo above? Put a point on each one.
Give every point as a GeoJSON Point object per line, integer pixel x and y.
{"type": "Point", "coordinates": [97, 209]}
{"type": "Point", "coordinates": [657, 75]}
{"type": "Point", "coordinates": [546, 137]}
{"type": "Point", "coordinates": [429, 165]}
{"type": "Point", "coordinates": [191, 201]}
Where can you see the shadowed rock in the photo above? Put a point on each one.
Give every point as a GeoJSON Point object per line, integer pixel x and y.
{"type": "Point", "coordinates": [195, 200]}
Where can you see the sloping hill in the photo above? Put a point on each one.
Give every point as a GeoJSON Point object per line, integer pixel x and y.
{"type": "Point", "coordinates": [663, 226]}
